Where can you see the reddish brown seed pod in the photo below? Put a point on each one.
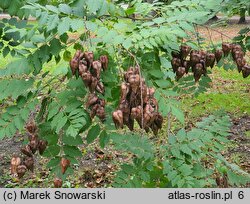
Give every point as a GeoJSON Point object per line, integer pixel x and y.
{"type": "Point", "coordinates": [124, 91]}
{"type": "Point", "coordinates": [87, 78]}
{"type": "Point", "coordinates": [100, 88]}
{"type": "Point", "coordinates": [118, 118]}
{"type": "Point", "coordinates": [185, 50]}
{"type": "Point", "coordinates": [136, 114]}
{"type": "Point", "coordinates": [218, 55]}
{"type": "Point", "coordinates": [21, 170]}
{"type": "Point", "coordinates": [210, 60]}
{"type": "Point", "coordinates": [198, 71]}
{"type": "Point", "coordinates": [150, 92]}
{"type": "Point", "coordinates": [96, 67]}
{"type": "Point", "coordinates": [29, 163]}
{"type": "Point", "coordinates": [104, 60]}
{"type": "Point", "coordinates": [245, 71]}
{"type": "Point", "coordinates": [89, 56]}
{"type": "Point", "coordinates": [58, 183]}
{"type": "Point", "coordinates": [92, 100]}
{"type": "Point", "coordinates": [175, 62]}
{"type": "Point", "coordinates": [195, 58]}
{"type": "Point", "coordinates": [241, 62]}
{"type": "Point", "coordinates": [203, 54]}
{"type": "Point", "coordinates": [64, 165]}
{"type": "Point", "coordinates": [42, 146]}
{"type": "Point", "coordinates": [237, 54]}
{"type": "Point", "coordinates": [14, 163]}
{"type": "Point", "coordinates": [226, 48]}
{"type": "Point", "coordinates": [82, 68]}
{"type": "Point", "coordinates": [31, 127]}
{"type": "Point", "coordinates": [74, 64]}
{"type": "Point", "coordinates": [100, 112]}
{"type": "Point", "coordinates": [27, 151]}
{"type": "Point", "coordinates": [34, 143]}
{"type": "Point", "coordinates": [187, 65]}
{"type": "Point", "coordinates": [236, 47]}
{"type": "Point", "coordinates": [180, 72]}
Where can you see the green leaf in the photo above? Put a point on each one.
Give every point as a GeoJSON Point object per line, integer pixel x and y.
{"type": "Point", "coordinates": [104, 138]}
{"type": "Point", "coordinates": [64, 26]}
{"type": "Point", "coordinates": [178, 114]}
{"type": "Point", "coordinates": [52, 22]}
{"type": "Point", "coordinates": [163, 83]}
{"type": "Point", "coordinates": [17, 67]}
{"type": "Point", "coordinates": [72, 131]}
{"type": "Point", "coordinates": [185, 149]}
{"type": "Point", "coordinates": [64, 8]}
{"type": "Point", "coordinates": [93, 133]}
{"type": "Point", "coordinates": [52, 151]}
{"type": "Point", "coordinates": [72, 151]}
{"type": "Point", "coordinates": [69, 140]}
{"type": "Point", "coordinates": [61, 124]}
{"type": "Point", "coordinates": [185, 169]}
{"type": "Point", "coordinates": [77, 24]}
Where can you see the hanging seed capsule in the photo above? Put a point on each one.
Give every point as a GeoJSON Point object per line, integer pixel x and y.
{"type": "Point", "coordinates": [218, 55]}
{"type": "Point", "coordinates": [27, 151]}
{"type": "Point", "coordinates": [226, 47]}
{"type": "Point", "coordinates": [29, 163]}
{"type": "Point", "coordinates": [14, 163]}
{"type": "Point", "coordinates": [58, 183]}
{"type": "Point", "coordinates": [21, 169]}
{"type": "Point", "coordinates": [64, 164]}
{"type": "Point", "coordinates": [185, 50]}
{"type": "Point", "coordinates": [180, 72]}
{"type": "Point", "coordinates": [210, 60]}
{"type": "Point", "coordinates": [42, 146]}
{"type": "Point", "coordinates": [175, 62]}
{"type": "Point", "coordinates": [246, 71]}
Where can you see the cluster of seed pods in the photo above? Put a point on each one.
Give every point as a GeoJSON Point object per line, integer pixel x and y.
{"type": "Point", "coordinates": [137, 102]}
{"type": "Point", "coordinates": [200, 60]}
{"type": "Point", "coordinates": [19, 166]}
{"type": "Point", "coordinates": [90, 71]}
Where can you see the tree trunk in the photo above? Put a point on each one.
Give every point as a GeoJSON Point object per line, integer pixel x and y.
{"type": "Point", "coordinates": [242, 16]}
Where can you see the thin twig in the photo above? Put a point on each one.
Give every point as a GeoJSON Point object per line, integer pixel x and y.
{"type": "Point", "coordinates": [210, 37]}
{"type": "Point", "coordinates": [216, 31]}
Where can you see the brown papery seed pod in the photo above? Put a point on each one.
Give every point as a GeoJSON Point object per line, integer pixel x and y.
{"type": "Point", "coordinates": [118, 118]}
{"type": "Point", "coordinates": [185, 50]}
{"type": "Point", "coordinates": [31, 127]}
{"type": "Point", "coordinates": [14, 163]}
{"type": "Point", "coordinates": [29, 163]}
{"type": "Point", "coordinates": [58, 183]}
{"type": "Point", "coordinates": [42, 146]}
{"type": "Point", "coordinates": [21, 169]}
{"type": "Point", "coordinates": [104, 60]}
{"type": "Point", "coordinates": [97, 68]}
{"type": "Point", "coordinates": [64, 164]}
{"type": "Point", "coordinates": [175, 62]}
{"type": "Point", "coordinates": [218, 55]}
{"type": "Point", "coordinates": [246, 71]}
{"type": "Point", "coordinates": [226, 48]}
{"type": "Point", "coordinates": [240, 63]}
{"type": "Point", "coordinates": [27, 151]}
{"type": "Point", "coordinates": [180, 72]}
{"type": "Point", "coordinates": [89, 56]}
{"type": "Point", "coordinates": [210, 60]}
{"type": "Point", "coordinates": [34, 144]}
